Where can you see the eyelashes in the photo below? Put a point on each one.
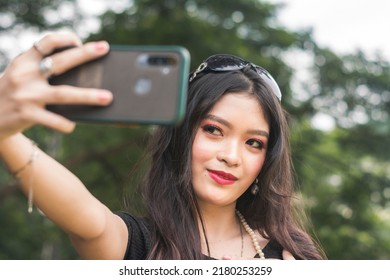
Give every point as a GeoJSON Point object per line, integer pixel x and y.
{"type": "Point", "coordinates": [256, 144]}
{"type": "Point", "coordinates": [216, 131]}
{"type": "Point", "coordinates": [211, 129]}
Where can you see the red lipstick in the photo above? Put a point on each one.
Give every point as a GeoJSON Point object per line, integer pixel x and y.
{"type": "Point", "coordinates": [221, 177]}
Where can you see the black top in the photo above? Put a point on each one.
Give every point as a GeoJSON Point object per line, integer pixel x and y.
{"type": "Point", "coordinates": [139, 240]}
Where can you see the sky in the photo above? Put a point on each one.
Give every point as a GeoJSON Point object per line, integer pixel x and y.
{"type": "Point", "coordinates": [342, 25]}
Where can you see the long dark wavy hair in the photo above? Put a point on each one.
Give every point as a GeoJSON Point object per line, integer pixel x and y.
{"type": "Point", "coordinates": [170, 200]}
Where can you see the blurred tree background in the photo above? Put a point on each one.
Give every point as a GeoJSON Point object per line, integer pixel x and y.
{"type": "Point", "coordinates": [343, 172]}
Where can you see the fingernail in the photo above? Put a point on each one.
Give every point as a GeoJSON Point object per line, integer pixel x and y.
{"type": "Point", "coordinates": [68, 127]}
{"type": "Point", "coordinates": [104, 96]}
{"type": "Point", "coordinates": [101, 46]}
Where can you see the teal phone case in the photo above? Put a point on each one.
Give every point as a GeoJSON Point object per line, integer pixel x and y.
{"type": "Point", "coordinates": [149, 84]}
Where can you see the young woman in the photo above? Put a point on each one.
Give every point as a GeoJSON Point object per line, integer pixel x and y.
{"type": "Point", "coordinates": [219, 185]}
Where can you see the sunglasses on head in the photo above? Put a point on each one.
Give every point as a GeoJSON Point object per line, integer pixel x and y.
{"type": "Point", "coordinates": [225, 62]}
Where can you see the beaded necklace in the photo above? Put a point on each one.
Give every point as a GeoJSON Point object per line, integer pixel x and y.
{"type": "Point", "coordinates": [252, 235]}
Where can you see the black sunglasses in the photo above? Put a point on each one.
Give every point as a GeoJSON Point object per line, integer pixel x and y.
{"type": "Point", "coordinates": [227, 62]}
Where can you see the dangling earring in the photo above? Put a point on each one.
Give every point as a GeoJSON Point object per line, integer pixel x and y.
{"type": "Point", "coordinates": [255, 187]}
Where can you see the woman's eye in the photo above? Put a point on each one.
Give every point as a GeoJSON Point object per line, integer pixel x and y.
{"type": "Point", "coordinates": [212, 130]}
{"type": "Point", "coordinates": [255, 144]}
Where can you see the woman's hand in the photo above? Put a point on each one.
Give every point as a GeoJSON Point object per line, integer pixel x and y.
{"type": "Point", "coordinates": [25, 91]}
{"type": "Point", "coordinates": [287, 255]}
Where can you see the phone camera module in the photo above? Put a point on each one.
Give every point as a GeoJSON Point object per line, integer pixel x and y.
{"type": "Point", "coordinates": [157, 60]}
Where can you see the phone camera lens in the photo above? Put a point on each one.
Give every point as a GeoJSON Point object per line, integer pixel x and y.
{"type": "Point", "coordinates": [157, 60]}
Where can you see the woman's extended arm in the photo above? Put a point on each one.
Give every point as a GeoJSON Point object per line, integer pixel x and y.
{"type": "Point", "coordinates": [94, 229]}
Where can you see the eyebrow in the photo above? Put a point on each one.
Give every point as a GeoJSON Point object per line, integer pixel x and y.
{"type": "Point", "coordinates": [229, 125]}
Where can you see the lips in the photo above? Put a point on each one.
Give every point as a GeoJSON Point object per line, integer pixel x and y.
{"type": "Point", "coordinates": [221, 177]}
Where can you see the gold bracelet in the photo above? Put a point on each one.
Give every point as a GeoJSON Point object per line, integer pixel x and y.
{"type": "Point", "coordinates": [30, 163]}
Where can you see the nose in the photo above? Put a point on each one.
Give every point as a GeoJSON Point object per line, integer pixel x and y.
{"type": "Point", "coordinates": [230, 153]}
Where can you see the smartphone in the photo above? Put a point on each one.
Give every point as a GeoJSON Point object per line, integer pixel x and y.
{"type": "Point", "coordinates": [149, 85]}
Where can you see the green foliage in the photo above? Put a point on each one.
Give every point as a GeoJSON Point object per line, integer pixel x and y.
{"type": "Point", "coordinates": [343, 174]}
{"type": "Point", "coordinates": [347, 193]}
{"type": "Point", "coordinates": [26, 13]}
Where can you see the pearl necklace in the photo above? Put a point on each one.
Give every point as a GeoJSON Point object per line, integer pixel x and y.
{"type": "Point", "coordinates": [252, 235]}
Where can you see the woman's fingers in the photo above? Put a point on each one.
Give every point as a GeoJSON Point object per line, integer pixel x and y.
{"type": "Point", "coordinates": [52, 41]}
{"type": "Point", "coordinates": [43, 117]}
{"type": "Point", "coordinates": [56, 122]}
{"type": "Point", "coordinates": [25, 91]}
{"type": "Point", "coordinates": [65, 94]}
{"type": "Point", "coordinates": [62, 61]}
{"type": "Point", "coordinates": [67, 59]}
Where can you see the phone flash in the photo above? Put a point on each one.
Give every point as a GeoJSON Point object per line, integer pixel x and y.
{"type": "Point", "coordinates": [165, 70]}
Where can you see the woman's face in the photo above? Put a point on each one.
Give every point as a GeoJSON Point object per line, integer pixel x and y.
{"type": "Point", "coordinates": [229, 149]}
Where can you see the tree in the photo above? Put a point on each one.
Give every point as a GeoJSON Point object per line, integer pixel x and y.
{"type": "Point", "coordinates": [348, 168]}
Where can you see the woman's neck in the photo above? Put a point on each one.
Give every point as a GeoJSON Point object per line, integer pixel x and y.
{"type": "Point", "coordinates": [220, 227]}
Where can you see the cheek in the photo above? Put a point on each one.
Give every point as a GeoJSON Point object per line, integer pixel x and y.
{"type": "Point", "coordinates": [200, 155]}
{"type": "Point", "coordinates": [201, 150]}
{"type": "Point", "coordinates": [254, 165]}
